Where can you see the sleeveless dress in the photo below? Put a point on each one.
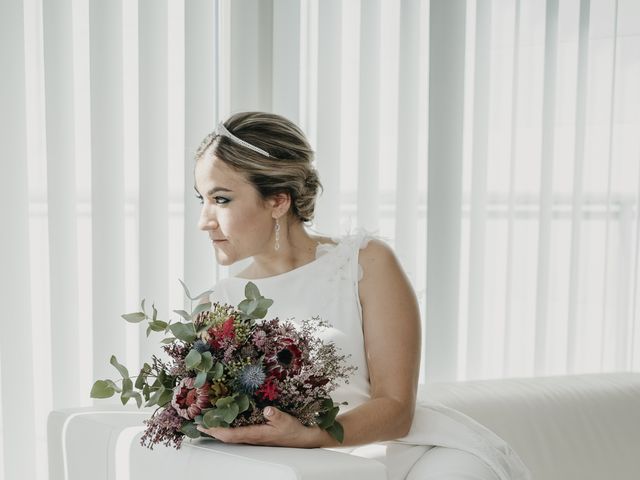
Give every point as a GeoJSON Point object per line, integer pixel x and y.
{"type": "Point", "coordinates": [328, 287]}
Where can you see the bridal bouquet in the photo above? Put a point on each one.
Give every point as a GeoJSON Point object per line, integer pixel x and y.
{"type": "Point", "coordinates": [224, 365]}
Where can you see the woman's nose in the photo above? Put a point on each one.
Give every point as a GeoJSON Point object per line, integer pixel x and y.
{"type": "Point", "coordinates": [207, 219]}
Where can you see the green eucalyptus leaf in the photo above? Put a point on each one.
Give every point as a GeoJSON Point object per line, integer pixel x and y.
{"type": "Point", "coordinates": [184, 315]}
{"type": "Point", "coordinates": [128, 393]}
{"type": "Point", "coordinates": [102, 389]}
{"type": "Point", "coordinates": [213, 419]}
{"type": "Point", "coordinates": [158, 325]}
{"type": "Point", "coordinates": [190, 430]}
{"type": "Point", "coordinates": [225, 401]}
{"type": "Point", "coordinates": [201, 378]}
{"type": "Point", "coordinates": [251, 291]}
{"type": "Point", "coordinates": [165, 397]}
{"type": "Point", "coordinates": [217, 371]}
{"type": "Point", "coordinates": [136, 317]}
{"type": "Point", "coordinates": [142, 305]}
{"type": "Point", "coordinates": [207, 362]}
{"type": "Point", "coordinates": [243, 403]}
{"type": "Point", "coordinates": [142, 377]}
{"type": "Point", "coordinates": [153, 400]}
{"type": "Point", "coordinates": [259, 312]}
{"type": "Point", "coordinates": [186, 290]}
{"type": "Point", "coordinates": [193, 359]}
{"type": "Point", "coordinates": [229, 413]}
{"type": "Point", "coordinates": [336, 431]}
{"type": "Point", "coordinates": [146, 391]}
{"type": "Point", "coordinates": [201, 308]}
{"type": "Point", "coordinates": [204, 294]}
{"type": "Point", "coordinates": [155, 312]}
{"type": "Point", "coordinates": [265, 303]}
{"type": "Point", "coordinates": [183, 331]}
{"type": "Point", "coordinates": [127, 385]}
{"type": "Point", "coordinates": [121, 368]}
{"type": "Point", "coordinates": [167, 341]}
{"type": "Point", "coordinates": [243, 306]}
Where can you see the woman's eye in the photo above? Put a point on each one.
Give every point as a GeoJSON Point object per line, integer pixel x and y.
{"type": "Point", "coordinates": [200, 199]}
{"type": "Point", "coordinates": [221, 200]}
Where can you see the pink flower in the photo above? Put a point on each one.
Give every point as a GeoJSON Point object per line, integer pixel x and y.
{"type": "Point", "coordinates": [189, 401]}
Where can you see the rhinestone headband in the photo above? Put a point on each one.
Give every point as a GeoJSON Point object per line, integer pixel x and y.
{"type": "Point", "coordinates": [222, 130]}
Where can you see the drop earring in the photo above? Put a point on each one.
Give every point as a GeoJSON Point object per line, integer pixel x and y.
{"type": "Point", "coordinates": [277, 245]}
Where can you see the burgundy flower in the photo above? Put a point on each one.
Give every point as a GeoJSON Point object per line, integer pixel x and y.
{"type": "Point", "coordinates": [189, 401]}
{"type": "Point", "coordinates": [287, 359]}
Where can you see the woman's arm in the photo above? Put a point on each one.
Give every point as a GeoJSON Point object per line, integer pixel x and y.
{"type": "Point", "coordinates": [391, 322]}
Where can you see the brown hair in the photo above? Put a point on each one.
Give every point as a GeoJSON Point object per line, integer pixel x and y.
{"type": "Point", "coordinates": [288, 168]}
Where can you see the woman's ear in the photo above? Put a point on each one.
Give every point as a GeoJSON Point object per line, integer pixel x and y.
{"type": "Point", "coordinates": [280, 204]}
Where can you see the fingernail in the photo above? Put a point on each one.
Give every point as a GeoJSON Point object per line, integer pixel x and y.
{"type": "Point", "coordinates": [268, 411]}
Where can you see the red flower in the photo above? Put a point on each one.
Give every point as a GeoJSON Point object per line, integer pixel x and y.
{"type": "Point", "coordinates": [222, 333]}
{"type": "Point", "coordinates": [268, 390]}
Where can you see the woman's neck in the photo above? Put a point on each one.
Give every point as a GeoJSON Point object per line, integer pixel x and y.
{"type": "Point", "coordinates": [297, 248]}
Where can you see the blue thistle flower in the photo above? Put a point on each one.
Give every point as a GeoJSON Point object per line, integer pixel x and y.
{"type": "Point", "coordinates": [251, 379]}
{"type": "Point", "coordinates": [201, 346]}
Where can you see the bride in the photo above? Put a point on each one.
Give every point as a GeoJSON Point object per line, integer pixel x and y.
{"type": "Point", "coordinates": [258, 188]}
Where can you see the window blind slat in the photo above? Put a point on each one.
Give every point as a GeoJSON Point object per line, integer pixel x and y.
{"type": "Point", "coordinates": [61, 190]}
{"type": "Point", "coordinates": [368, 193]}
{"type": "Point", "coordinates": [578, 182]}
{"type": "Point", "coordinates": [329, 126]}
{"type": "Point", "coordinates": [18, 430]}
{"type": "Point", "coordinates": [446, 107]}
{"type": "Point", "coordinates": [515, 66]}
{"type": "Point", "coordinates": [407, 200]}
{"type": "Point", "coordinates": [546, 186]}
{"type": "Point", "coordinates": [606, 317]}
{"type": "Point", "coordinates": [478, 203]}
{"type": "Point", "coordinates": [201, 82]}
{"type": "Point", "coordinates": [107, 185]}
{"type": "Point", "coordinates": [287, 58]}
{"type": "Point", "coordinates": [153, 178]}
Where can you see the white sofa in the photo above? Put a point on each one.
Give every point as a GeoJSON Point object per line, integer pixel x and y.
{"type": "Point", "coordinates": [578, 427]}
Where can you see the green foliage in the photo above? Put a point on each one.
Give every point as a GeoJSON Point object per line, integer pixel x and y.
{"type": "Point", "coordinates": [183, 331]}
{"type": "Point", "coordinates": [190, 429]}
{"type": "Point", "coordinates": [193, 359]}
{"type": "Point", "coordinates": [255, 305]}
{"type": "Point", "coordinates": [122, 369]}
{"type": "Point", "coordinates": [136, 317]}
{"type": "Point", "coordinates": [103, 389]}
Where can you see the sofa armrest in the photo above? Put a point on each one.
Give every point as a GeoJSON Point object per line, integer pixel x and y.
{"type": "Point", "coordinates": [103, 444]}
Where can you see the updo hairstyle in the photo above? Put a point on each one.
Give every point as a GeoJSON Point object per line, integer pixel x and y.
{"type": "Point", "coordinates": [288, 167]}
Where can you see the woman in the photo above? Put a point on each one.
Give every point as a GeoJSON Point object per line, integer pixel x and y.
{"type": "Point", "coordinates": [255, 179]}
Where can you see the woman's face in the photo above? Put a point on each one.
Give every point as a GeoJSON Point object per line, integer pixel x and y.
{"type": "Point", "coordinates": [238, 221]}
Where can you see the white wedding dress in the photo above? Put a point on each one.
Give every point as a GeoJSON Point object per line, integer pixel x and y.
{"type": "Point", "coordinates": [328, 287]}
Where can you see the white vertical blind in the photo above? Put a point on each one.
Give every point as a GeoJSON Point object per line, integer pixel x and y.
{"type": "Point", "coordinates": [516, 120]}
{"type": "Point", "coordinates": [62, 199]}
{"type": "Point", "coordinates": [107, 185]}
{"type": "Point", "coordinates": [154, 161]}
{"type": "Point", "coordinates": [409, 136]}
{"type": "Point", "coordinates": [444, 202]}
{"type": "Point", "coordinates": [369, 113]}
{"type": "Point", "coordinates": [329, 126]}
{"type": "Point", "coordinates": [577, 196]}
{"type": "Point", "coordinates": [201, 116]}
{"type": "Point", "coordinates": [546, 184]}
{"type": "Point", "coordinates": [478, 199]}
{"type": "Point", "coordinates": [15, 292]}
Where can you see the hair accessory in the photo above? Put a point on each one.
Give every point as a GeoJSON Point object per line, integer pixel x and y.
{"type": "Point", "coordinates": [222, 130]}
{"type": "Point", "coordinates": [277, 245]}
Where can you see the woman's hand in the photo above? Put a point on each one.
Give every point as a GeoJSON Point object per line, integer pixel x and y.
{"type": "Point", "coordinates": [281, 430]}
